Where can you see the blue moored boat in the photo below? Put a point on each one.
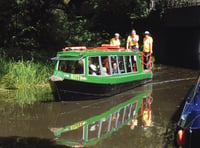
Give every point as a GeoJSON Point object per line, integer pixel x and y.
{"type": "Point", "coordinates": [189, 122]}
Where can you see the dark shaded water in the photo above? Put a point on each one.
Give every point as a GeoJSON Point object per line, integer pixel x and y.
{"type": "Point", "coordinates": [28, 125]}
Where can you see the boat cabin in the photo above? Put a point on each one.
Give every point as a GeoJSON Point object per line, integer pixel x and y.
{"type": "Point", "coordinates": [98, 62]}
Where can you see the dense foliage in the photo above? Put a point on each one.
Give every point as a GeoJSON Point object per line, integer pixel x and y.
{"type": "Point", "coordinates": [52, 24]}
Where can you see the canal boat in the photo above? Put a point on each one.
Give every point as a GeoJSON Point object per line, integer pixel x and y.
{"type": "Point", "coordinates": [188, 132]}
{"type": "Point", "coordinates": [94, 129]}
{"type": "Point", "coordinates": [97, 72]}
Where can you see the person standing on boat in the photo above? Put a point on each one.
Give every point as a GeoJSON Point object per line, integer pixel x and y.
{"type": "Point", "coordinates": [115, 41]}
{"type": "Point", "coordinates": [147, 48]}
{"type": "Point", "coordinates": [132, 41]}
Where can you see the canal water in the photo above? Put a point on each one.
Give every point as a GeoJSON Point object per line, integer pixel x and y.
{"type": "Point", "coordinates": [28, 124]}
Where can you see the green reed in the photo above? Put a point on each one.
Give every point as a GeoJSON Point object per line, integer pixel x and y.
{"type": "Point", "coordinates": [19, 74]}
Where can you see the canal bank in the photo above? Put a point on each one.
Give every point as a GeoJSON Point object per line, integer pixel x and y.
{"type": "Point", "coordinates": [29, 125]}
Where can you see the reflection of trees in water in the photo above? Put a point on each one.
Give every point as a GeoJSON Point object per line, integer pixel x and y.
{"type": "Point", "coordinates": [169, 136]}
{"type": "Point", "coordinates": [25, 96]}
{"type": "Point", "coordinates": [27, 120]}
{"type": "Point", "coordinates": [161, 136]}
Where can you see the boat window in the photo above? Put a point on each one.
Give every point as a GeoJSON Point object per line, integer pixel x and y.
{"type": "Point", "coordinates": [93, 66]}
{"type": "Point", "coordinates": [115, 65]}
{"type": "Point", "coordinates": [128, 63]}
{"type": "Point", "coordinates": [121, 64]}
{"type": "Point", "coordinates": [131, 63]}
{"type": "Point", "coordinates": [105, 66]}
{"type": "Point", "coordinates": [73, 66]}
{"type": "Point", "coordinates": [134, 64]}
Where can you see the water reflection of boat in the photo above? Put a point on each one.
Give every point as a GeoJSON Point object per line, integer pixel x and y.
{"type": "Point", "coordinates": [97, 72]}
{"type": "Point", "coordinates": [189, 122]}
{"type": "Point", "coordinates": [90, 131]}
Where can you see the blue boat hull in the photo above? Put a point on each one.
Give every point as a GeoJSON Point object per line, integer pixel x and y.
{"type": "Point", "coordinates": [188, 132]}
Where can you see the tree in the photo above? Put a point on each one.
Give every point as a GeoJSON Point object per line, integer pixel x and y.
{"type": "Point", "coordinates": [52, 24]}
{"type": "Point", "coordinates": [7, 24]}
{"type": "Point", "coordinates": [108, 15]}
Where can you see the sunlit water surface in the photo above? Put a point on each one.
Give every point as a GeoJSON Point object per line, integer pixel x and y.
{"type": "Point", "coordinates": [24, 122]}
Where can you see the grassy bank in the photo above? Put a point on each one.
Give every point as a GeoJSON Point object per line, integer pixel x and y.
{"type": "Point", "coordinates": [20, 73]}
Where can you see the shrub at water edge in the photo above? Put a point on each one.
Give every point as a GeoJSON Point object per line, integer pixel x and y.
{"type": "Point", "coordinates": [17, 74]}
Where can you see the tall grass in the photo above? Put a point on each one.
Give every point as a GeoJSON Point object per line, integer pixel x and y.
{"type": "Point", "coordinates": [18, 74]}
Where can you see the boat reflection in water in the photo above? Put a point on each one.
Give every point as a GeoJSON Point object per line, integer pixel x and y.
{"type": "Point", "coordinates": [90, 131]}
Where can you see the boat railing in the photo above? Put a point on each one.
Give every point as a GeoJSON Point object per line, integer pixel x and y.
{"type": "Point", "coordinates": [72, 48]}
{"type": "Point", "coordinates": [104, 47]}
{"type": "Point", "coordinates": [149, 62]}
